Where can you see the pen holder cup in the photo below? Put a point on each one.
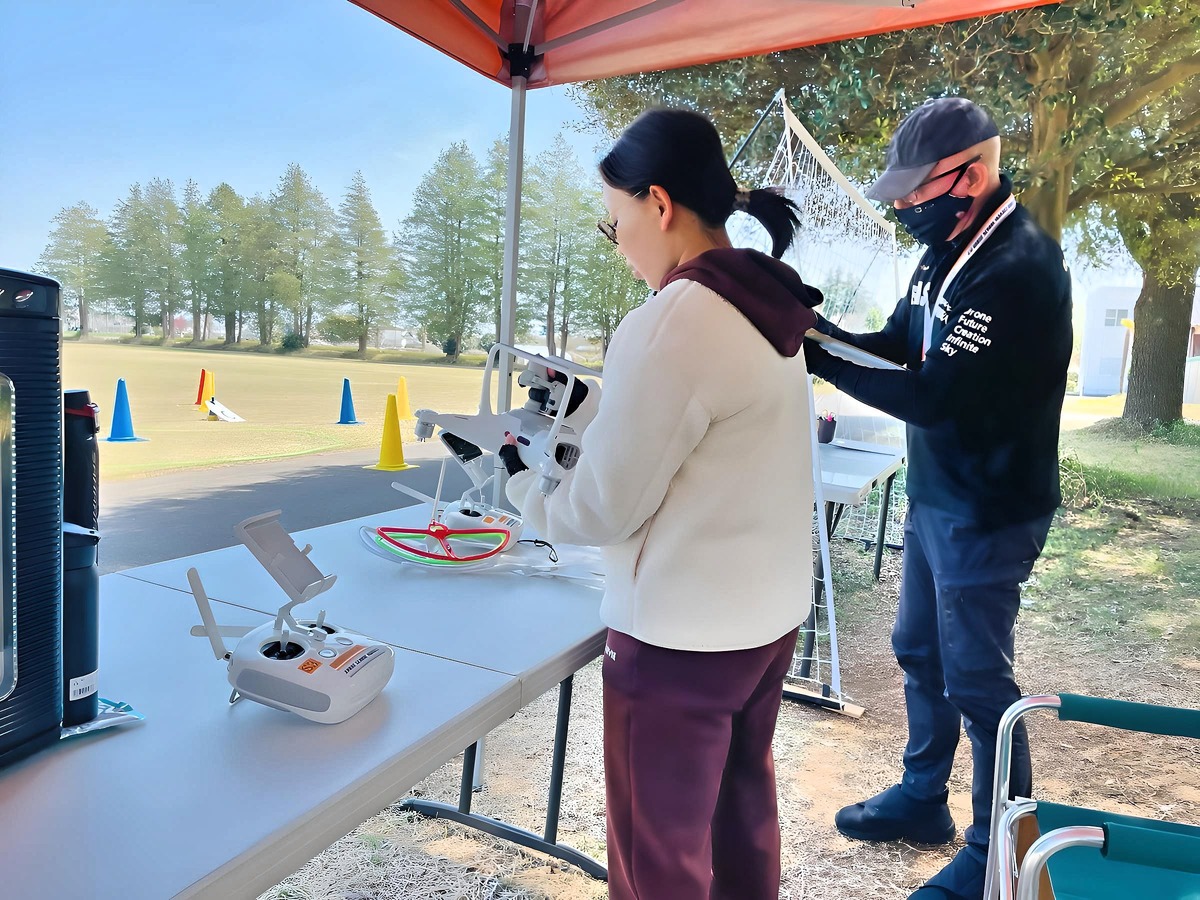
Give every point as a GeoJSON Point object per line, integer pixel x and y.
{"type": "Point", "coordinates": [825, 430]}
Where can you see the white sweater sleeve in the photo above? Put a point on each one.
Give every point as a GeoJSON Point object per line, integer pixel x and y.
{"type": "Point", "coordinates": [649, 421]}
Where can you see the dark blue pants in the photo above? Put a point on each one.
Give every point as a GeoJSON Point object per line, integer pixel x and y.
{"type": "Point", "coordinates": [959, 597]}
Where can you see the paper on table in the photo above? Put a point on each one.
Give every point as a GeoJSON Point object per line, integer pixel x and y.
{"type": "Point", "coordinates": [850, 353]}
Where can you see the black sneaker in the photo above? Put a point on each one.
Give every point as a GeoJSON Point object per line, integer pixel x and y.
{"type": "Point", "coordinates": [962, 879]}
{"type": "Point", "coordinates": [894, 816]}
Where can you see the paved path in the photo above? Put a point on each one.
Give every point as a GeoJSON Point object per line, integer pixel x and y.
{"type": "Point", "coordinates": [148, 520]}
{"type": "Point", "coordinates": [161, 517]}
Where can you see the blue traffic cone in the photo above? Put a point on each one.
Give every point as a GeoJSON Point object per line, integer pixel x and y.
{"type": "Point", "coordinates": [347, 405]}
{"type": "Point", "coordinates": [122, 421]}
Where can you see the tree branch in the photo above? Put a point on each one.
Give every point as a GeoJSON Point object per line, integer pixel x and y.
{"type": "Point", "coordinates": [1140, 95]}
{"type": "Point", "coordinates": [1084, 196]}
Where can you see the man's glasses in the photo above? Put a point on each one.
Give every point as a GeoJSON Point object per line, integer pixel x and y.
{"type": "Point", "coordinates": [961, 170]}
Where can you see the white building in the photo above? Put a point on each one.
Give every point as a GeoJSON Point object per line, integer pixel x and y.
{"type": "Point", "coordinates": [1106, 343]}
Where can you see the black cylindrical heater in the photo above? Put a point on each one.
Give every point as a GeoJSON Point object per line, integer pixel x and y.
{"type": "Point", "coordinates": [31, 470]}
{"type": "Point", "coordinates": [81, 574]}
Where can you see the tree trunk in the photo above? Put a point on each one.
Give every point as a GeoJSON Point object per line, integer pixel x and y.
{"type": "Point", "coordinates": [308, 314]}
{"type": "Point", "coordinates": [1160, 344]}
{"type": "Point", "coordinates": [363, 337]}
{"type": "Point", "coordinates": [231, 328]}
{"type": "Point", "coordinates": [1163, 237]}
{"type": "Point", "coordinates": [1051, 165]}
{"type": "Point", "coordinates": [197, 320]}
{"type": "Point", "coordinates": [84, 324]}
{"type": "Point", "coordinates": [551, 302]}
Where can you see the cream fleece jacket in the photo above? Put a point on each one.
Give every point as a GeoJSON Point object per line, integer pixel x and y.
{"type": "Point", "coordinates": [695, 479]}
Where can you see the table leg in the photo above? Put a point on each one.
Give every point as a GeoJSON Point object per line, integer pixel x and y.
{"type": "Point", "coordinates": [548, 844]}
{"type": "Point", "coordinates": [468, 777]}
{"type": "Point", "coordinates": [559, 759]}
{"type": "Point", "coordinates": [885, 503]}
{"type": "Point", "coordinates": [477, 775]}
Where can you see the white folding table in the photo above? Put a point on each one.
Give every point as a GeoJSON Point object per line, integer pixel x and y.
{"type": "Point", "coordinates": [850, 470]}
{"type": "Point", "coordinates": [204, 799]}
{"type": "Point", "coordinates": [208, 800]}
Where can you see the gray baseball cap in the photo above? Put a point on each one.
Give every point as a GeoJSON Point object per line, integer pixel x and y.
{"type": "Point", "coordinates": [931, 132]}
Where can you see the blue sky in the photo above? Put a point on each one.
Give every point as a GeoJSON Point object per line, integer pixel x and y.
{"type": "Point", "coordinates": [95, 96]}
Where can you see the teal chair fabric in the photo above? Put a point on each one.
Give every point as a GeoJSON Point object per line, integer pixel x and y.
{"type": "Point", "coordinates": [1143, 859]}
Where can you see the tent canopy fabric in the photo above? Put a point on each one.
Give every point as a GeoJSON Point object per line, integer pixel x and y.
{"type": "Point", "coordinates": [580, 40]}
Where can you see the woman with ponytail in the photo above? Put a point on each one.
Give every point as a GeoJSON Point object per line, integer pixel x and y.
{"type": "Point", "coordinates": [696, 480]}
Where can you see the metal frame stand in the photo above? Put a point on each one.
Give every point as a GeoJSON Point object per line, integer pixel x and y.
{"type": "Point", "coordinates": [548, 841]}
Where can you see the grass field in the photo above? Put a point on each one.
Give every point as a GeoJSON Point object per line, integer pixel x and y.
{"type": "Point", "coordinates": [290, 405]}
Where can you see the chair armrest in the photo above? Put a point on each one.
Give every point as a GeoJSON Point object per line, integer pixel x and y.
{"type": "Point", "coordinates": [1152, 847]}
{"type": "Point", "coordinates": [1144, 717]}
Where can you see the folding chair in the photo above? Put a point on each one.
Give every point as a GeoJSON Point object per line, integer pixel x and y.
{"type": "Point", "coordinates": [1087, 854]}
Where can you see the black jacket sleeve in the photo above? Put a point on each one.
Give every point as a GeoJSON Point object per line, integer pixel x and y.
{"type": "Point", "coordinates": [990, 339]}
{"type": "Point", "coordinates": [890, 342]}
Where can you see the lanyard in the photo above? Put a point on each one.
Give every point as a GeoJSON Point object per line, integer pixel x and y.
{"type": "Point", "coordinates": [988, 229]}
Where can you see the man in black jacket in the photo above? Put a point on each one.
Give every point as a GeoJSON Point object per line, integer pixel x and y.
{"type": "Point", "coordinates": [984, 333]}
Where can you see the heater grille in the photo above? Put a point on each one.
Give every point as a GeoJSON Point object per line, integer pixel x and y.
{"type": "Point", "coordinates": [30, 357]}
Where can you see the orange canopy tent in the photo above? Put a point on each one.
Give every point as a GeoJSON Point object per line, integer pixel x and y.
{"type": "Point", "coordinates": [536, 43]}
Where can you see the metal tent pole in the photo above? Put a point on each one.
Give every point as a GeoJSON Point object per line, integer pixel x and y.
{"type": "Point", "coordinates": [512, 247]}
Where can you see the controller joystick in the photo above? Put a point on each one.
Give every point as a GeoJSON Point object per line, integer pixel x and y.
{"type": "Point", "coordinates": [273, 650]}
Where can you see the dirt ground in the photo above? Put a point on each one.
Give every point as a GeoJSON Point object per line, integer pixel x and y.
{"type": "Point", "coordinates": [825, 760]}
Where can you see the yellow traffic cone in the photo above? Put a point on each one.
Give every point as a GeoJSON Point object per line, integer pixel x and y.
{"type": "Point", "coordinates": [208, 391]}
{"type": "Point", "coordinates": [402, 407]}
{"type": "Point", "coordinates": [391, 451]}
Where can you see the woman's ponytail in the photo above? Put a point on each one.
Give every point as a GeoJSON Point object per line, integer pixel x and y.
{"type": "Point", "coordinates": [774, 211]}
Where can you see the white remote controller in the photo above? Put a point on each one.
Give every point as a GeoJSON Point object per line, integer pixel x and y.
{"type": "Point", "coordinates": [321, 673]}
{"type": "Point", "coordinates": [311, 668]}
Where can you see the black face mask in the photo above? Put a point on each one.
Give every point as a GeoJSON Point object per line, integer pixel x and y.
{"type": "Point", "coordinates": [932, 221]}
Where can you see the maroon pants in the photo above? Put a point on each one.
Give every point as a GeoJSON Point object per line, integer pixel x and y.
{"type": "Point", "coordinates": [688, 769]}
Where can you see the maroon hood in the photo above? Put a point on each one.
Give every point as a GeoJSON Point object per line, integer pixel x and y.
{"type": "Point", "coordinates": [766, 291]}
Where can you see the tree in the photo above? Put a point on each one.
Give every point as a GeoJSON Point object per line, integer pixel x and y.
{"type": "Point", "coordinates": [161, 230]}
{"type": "Point", "coordinates": [609, 291]}
{"type": "Point", "coordinates": [1097, 100]}
{"type": "Point", "coordinates": [494, 186]}
{"type": "Point", "coordinates": [260, 240]}
{"type": "Point", "coordinates": [306, 248]}
{"type": "Point", "coordinates": [73, 256]}
{"type": "Point", "coordinates": [561, 208]}
{"type": "Point", "coordinates": [199, 266]}
{"type": "Point", "coordinates": [229, 212]}
{"type": "Point", "coordinates": [446, 249]}
{"type": "Point", "coordinates": [126, 263]}
{"type": "Point", "coordinates": [368, 270]}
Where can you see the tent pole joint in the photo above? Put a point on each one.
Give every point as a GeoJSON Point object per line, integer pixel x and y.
{"type": "Point", "coordinates": [521, 60]}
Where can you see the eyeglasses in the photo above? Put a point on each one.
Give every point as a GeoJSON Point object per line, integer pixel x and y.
{"type": "Point", "coordinates": [961, 170]}
{"type": "Point", "coordinates": [609, 229]}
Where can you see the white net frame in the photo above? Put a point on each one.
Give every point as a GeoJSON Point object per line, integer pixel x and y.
{"type": "Point", "coordinates": [847, 249]}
